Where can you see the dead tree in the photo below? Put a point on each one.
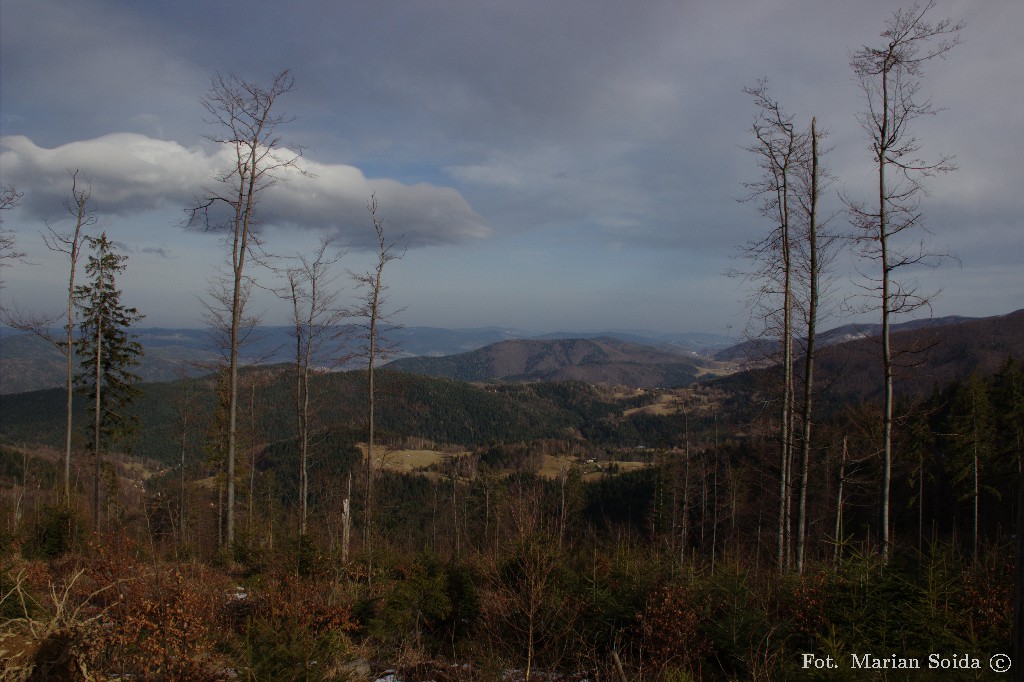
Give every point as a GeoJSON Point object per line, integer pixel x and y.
{"type": "Point", "coordinates": [70, 243]}
{"type": "Point", "coordinates": [246, 120]}
{"type": "Point", "coordinates": [890, 79]}
{"type": "Point", "coordinates": [373, 309]}
{"type": "Point", "coordinates": [779, 149]}
{"type": "Point", "coordinates": [9, 198]}
{"type": "Point", "coordinates": [315, 318]}
{"type": "Point", "coordinates": [816, 253]}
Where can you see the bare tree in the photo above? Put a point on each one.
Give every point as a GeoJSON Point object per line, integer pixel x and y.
{"type": "Point", "coordinates": [247, 123]}
{"type": "Point", "coordinates": [218, 315]}
{"type": "Point", "coordinates": [815, 254]}
{"type": "Point", "coordinates": [779, 149]}
{"type": "Point", "coordinates": [9, 198]}
{"type": "Point", "coordinates": [373, 308]}
{"type": "Point", "coordinates": [70, 243]}
{"type": "Point", "coordinates": [790, 263]}
{"type": "Point", "coordinates": [890, 79]}
{"type": "Point", "coordinates": [315, 319]}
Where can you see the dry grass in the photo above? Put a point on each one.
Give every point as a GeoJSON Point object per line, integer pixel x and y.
{"type": "Point", "coordinates": [407, 461]}
{"type": "Point", "coordinates": [555, 464]}
{"type": "Point", "coordinates": [667, 403]}
{"type": "Point", "coordinates": [720, 369]}
{"type": "Point", "coordinates": [623, 467]}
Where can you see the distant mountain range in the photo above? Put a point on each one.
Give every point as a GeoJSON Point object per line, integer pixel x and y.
{"type": "Point", "coordinates": [928, 354]}
{"type": "Point", "coordinates": [28, 362]}
{"type": "Point", "coordinates": [759, 351]}
{"type": "Point", "coordinates": [955, 346]}
{"type": "Point", "coordinates": [932, 352]}
{"type": "Point", "coordinates": [599, 360]}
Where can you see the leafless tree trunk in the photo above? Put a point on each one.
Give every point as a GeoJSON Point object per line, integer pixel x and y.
{"type": "Point", "coordinates": [839, 507]}
{"type": "Point", "coordinates": [315, 316]}
{"type": "Point", "coordinates": [809, 197]}
{"type": "Point", "coordinates": [97, 417]}
{"type": "Point", "coordinates": [77, 205]}
{"type": "Point", "coordinates": [890, 78]}
{"type": "Point", "coordinates": [686, 489]}
{"type": "Point", "coordinates": [346, 521]}
{"type": "Point", "coordinates": [779, 149]}
{"type": "Point", "coordinates": [714, 503]}
{"type": "Point", "coordinates": [1018, 600]}
{"type": "Point", "coordinates": [374, 310]}
{"type": "Point", "coordinates": [253, 446]}
{"type": "Point", "coordinates": [247, 121]}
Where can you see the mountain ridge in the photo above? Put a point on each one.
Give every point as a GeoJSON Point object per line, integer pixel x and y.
{"type": "Point", "coordinates": [599, 360]}
{"type": "Point", "coordinates": [28, 362]}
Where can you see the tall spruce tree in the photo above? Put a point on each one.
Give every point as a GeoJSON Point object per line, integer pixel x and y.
{"type": "Point", "coordinates": [108, 353]}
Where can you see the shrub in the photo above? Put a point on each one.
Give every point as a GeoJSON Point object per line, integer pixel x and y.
{"type": "Point", "coordinates": [293, 629]}
{"type": "Point", "coordinates": [58, 530]}
{"type": "Point", "coordinates": [671, 629]}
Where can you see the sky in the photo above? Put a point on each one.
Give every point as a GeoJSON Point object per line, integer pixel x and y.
{"type": "Point", "coordinates": [566, 165]}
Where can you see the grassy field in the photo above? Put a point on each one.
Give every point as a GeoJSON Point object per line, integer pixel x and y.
{"type": "Point", "coordinates": [418, 461]}
{"type": "Point", "coordinates": [407, 461]}
{"type": "Point", "coordinates": [666, 403]}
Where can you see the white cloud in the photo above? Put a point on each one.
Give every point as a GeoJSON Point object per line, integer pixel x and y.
{"type": "Point", "coordinates": [126, 172]}
{"type": "Point", "coordinates": [130, 173]}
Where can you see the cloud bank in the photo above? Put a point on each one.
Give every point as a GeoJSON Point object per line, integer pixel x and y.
{"type": "Point", "coordinates": [130, 173]}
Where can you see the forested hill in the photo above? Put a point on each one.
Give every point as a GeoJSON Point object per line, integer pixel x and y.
{"type": "Point", "coordinates": [442, 410]}
{"type": "Point", "coordinates": [927, 356]}
{"type": "Point", "coordinates": [601, 360]}
{"type": "Point", "coordinates": [758, 350]}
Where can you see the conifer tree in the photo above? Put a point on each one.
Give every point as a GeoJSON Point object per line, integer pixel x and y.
{"type": "Point", "coordinates": [108, 354]}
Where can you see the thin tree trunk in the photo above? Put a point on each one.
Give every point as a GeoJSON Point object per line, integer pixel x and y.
{"type": "Point", "coordinates": [346, 521]}
{"type": "Point", "coordinates": [887, 366]}
{"type": "Point", "coordinates": [812, 319]}
{"type": "Point", "coordinates": [703, 499]}
{"type": "Point", "coordinates": [714, 503]}
{"type": "Point", "coordinates": [69, 350]}
{"type": "Point", "coordinates": [96, 408]}
{"type": "Point", "coordinates": [783, 493]}
{"type": "Point", "coordinates": [1018, 600]}
{"type": "Point", "coordinates": [674, 477]}
{"type": "Point", "coordinates": [81, 219]}
{"type": "Point", "coordinates": [455, 515]}
{"type": "Point", "coordinates": [976, 497]}
{"type": "Point", "coordinates": [369, 443]}
{"type": "Point", "coordinates": [220, 515]}
{"type": "Point", "coordinates": [181, 483]}
{"type": "Point", "coordinates": [920, 502]}
{"type": "Point", "coordinates": [685, 539]}
{"type": "Point", "coordinates": [252, 457]}
{"type": "Point", "coordinates": [839, 506]}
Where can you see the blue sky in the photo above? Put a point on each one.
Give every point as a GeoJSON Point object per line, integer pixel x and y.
{"type": "Point", "coordinates": [554, 165]}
